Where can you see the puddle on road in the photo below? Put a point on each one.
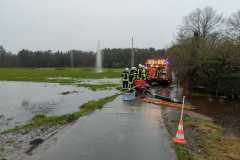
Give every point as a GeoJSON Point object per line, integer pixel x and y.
{"type": "Point", "coordinates": [20, 101]}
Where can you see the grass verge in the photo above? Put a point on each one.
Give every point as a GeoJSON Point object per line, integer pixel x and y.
{"type": "Point", "coordinates": [205, 140]}
{"type": "Point", "coordinates": [41, 120]}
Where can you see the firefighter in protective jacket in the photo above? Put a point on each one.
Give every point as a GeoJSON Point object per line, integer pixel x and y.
{"type": "Point", "coordinates": [125, 79]}
{"type": "Point", "coordinates": [132, 78]}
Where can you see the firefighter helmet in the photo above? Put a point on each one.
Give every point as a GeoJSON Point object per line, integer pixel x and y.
{"type": "Point", "coordinates": [133, 68]}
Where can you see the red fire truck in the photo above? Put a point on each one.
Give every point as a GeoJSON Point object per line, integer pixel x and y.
{"type": "Point", "coordinates": [159, 71]}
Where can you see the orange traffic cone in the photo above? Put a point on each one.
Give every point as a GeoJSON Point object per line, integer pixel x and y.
{"type": "Point", "coordinates": [180, 134]}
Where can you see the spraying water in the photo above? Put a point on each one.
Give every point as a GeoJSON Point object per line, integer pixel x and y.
{"type": "Point", "coordinates": [99, 58]}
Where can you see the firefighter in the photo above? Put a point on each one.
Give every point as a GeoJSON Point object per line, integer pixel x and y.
{"type": "Point", "coordinates": [134, 72]}
{"type": "Point", "coordinates": [158, 72]}
{"type": "Point", "coordinates": [125, 79]}
{"type": "Point", "coordinates": [146, 69]}
{"type": "Point", "coordinates": [131, 80]}
{"type": "Point", "coordinates": [144, 73]}
{"type": "Point", "coordinates": [139, 72]}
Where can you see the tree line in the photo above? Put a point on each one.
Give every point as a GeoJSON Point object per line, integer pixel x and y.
{"type": "Point", "coordinates": [206, 54]}
{"type": "Point", "coordinates": [117, 58]}
{"type": "Point", "coordinates": [112, 58]}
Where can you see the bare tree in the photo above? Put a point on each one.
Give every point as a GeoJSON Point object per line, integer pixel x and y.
{"type": "Point", "coordinates": [233, 24]}
{"type": "Point", "coordinates": [201, 22]}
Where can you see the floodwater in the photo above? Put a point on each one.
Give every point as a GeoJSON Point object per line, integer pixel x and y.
{"type": "Point", "coordinates": [101, 81]}
{"type": "Point", "coordinates": [225, 113]}
{"type": "Point", "coordinates": [89, 81]}
{"type": "Point", "coordinates": [172, 92]}
{"type": "Point", "coordinates": [120, 131]}
{"type": "Point", "coordinates": [20, 101]}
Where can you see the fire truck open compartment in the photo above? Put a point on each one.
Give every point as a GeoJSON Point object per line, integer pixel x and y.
{"type": "Point", "coordinates": [159, 71]}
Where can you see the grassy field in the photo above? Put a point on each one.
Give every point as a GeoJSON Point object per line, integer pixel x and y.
{"type": "Point", "coordinates": [43, 74]}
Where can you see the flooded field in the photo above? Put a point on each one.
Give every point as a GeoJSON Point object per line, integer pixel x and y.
{"type": "Point", "coordinates": [226, 113]}
{"type": "Point", "coordinates": [100, 81]}
{"type": "Point", "coordinates": [223, 112]}
{"type": "Point", "coordinates": [20, 101]}
{"type": "Point", "coordinates": [120, 130]}
{"type": "Point", "coordinates": [88, 81]}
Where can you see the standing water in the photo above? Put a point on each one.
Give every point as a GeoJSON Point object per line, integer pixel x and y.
{"type": "Point", "coordinates": [20, 101]}
{"type": "Point", "coordinates": [99, 58]}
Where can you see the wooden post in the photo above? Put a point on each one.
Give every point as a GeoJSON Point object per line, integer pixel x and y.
{"type": "Point", "coordinates": [182, 108]}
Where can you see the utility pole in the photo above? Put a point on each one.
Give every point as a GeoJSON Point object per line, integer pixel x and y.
{"type": "Point", "coordinates": [132, 55]}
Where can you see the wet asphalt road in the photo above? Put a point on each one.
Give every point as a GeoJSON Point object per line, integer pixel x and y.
{"type": "Point", "coordinates": [120, 131]}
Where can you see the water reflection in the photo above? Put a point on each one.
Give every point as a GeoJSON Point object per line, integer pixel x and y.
{"type": "Point", "coordinates": [224, 113]}
{"type": "Point", "coordinates": [173, 91]}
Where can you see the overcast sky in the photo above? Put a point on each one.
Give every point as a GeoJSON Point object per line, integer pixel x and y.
{"type": "Point", "coordinates": [78, 24]}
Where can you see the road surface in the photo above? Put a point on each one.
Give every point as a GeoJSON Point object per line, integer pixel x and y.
{"type": "Point", "coordinates": [120, 131]}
